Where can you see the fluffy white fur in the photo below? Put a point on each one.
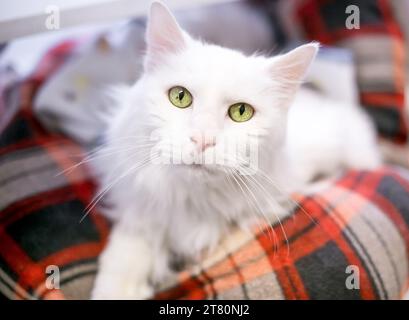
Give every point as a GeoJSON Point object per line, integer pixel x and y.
{"type": "Point", "coordinates": [166, 212]}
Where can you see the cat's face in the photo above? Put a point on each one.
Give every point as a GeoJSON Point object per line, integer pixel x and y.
{"type": "Point", "coordinates": [214, 106]}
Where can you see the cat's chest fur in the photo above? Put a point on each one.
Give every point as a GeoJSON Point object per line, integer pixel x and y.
{"type": "Point", "coordinates": [190, 214]}
{"type": "Point", "coordinates": [173, 203]}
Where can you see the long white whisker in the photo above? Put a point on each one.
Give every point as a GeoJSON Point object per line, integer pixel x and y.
{"type": "Point", "coordinates": [288, 198]}
{"type": "Point", "coordinates": [269, 197]}
{"type": "Point", "coordinates": [230, 172]}
{"type": "Point", "coordinates": [101, 154]}
{"type": "Point", "coordinates": [137, 166]}
{"type": "Point", "coordinates": [274, 237]}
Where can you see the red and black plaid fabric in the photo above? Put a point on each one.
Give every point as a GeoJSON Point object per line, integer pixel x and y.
{"type": "Point", "coordinates": [379, 49]}
{"type": "Point", "coordinates": [361, 221]}
{"type": "Point", "coordinates": [41, 209]}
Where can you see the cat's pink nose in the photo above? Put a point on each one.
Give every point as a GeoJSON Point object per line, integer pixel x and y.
{"type": "Point", "coordinates": [203, 142]}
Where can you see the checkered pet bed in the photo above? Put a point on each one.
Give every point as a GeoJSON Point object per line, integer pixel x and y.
{"type": "Point", "coordinates": [357, 227]}
{"type": "Point", "coordinates": [379, 48]}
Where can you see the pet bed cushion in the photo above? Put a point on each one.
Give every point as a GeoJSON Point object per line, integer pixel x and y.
{"type": "Point", "coordinates": [378, 43]}
{"type": "Point", "coordinates": [349, 241]}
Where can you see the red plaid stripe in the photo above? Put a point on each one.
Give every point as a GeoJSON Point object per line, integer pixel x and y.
{"type": "Point", "coordinates": [325, 223]}
{"type": "Point", "coordinates": [30, 273]}
{"type": "Point", "coordinates": [381, 104]}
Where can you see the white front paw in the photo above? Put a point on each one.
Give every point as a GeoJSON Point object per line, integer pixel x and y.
{"type": "Point", "coordinates": [120, 289]}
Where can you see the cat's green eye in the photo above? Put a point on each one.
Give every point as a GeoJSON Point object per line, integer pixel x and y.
{"type": "Point", "coordinates": [241, 112]}
{"type": "Point", "coordinates": [180, 97]}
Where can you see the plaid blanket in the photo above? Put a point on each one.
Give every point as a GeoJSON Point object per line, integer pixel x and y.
{"type": "Point", "coordinates": [360, 221]}
{"type": "Point", "coordinates": [379, 47]}
{"type": "Point", "coordinates": [348, 241]}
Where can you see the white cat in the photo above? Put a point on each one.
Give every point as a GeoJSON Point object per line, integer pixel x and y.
{"type": "Point", "coordinates": [196, 102]}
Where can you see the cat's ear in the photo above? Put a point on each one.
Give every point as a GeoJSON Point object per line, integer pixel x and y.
{"type": "Point", "coordinates": [163, 34]}
{"type": "Point", "coordinates": [290, 69]}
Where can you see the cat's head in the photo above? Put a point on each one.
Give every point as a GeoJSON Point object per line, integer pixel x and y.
{"type": "Point", "coordinates": [210, 105]}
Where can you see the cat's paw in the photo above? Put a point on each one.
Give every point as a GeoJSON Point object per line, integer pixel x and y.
{"type": "Point", "coordinates": [123, 291]}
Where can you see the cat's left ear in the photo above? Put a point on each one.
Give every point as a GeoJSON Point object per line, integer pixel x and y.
{"type": "Point", "coordinates": [163, 34]}
{"type": "Point", "coordinates": [290, 69]}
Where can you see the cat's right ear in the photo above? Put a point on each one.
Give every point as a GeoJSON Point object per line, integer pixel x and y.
{"type": "Point", "coordinates": [163, 35]}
